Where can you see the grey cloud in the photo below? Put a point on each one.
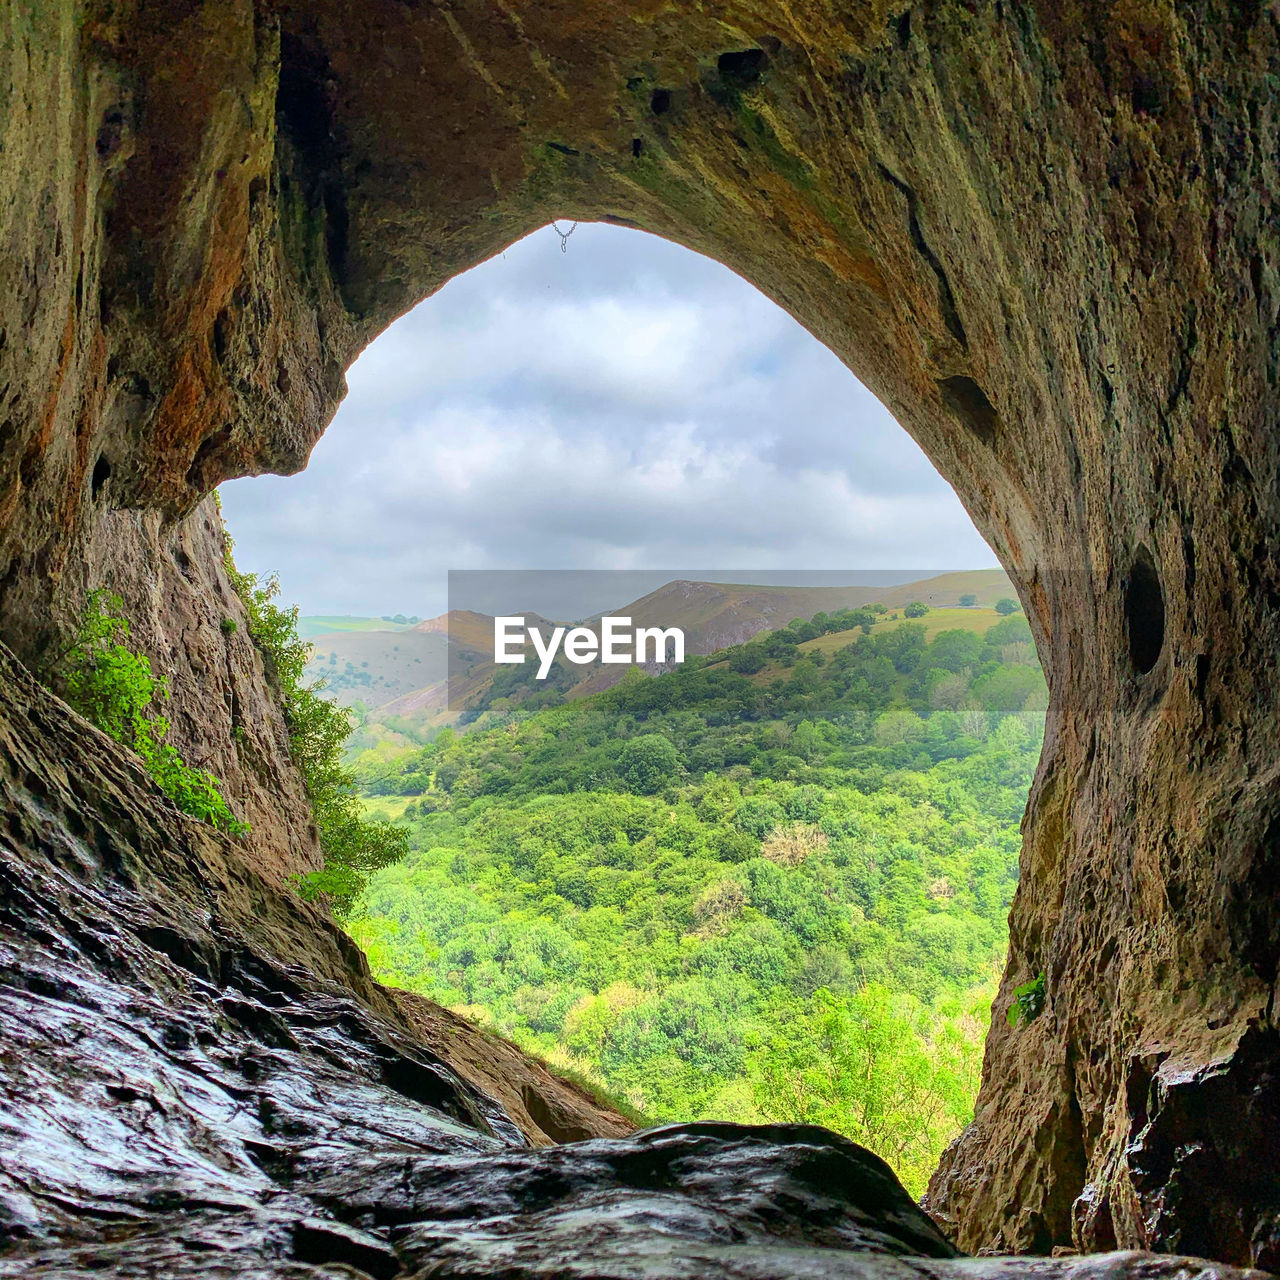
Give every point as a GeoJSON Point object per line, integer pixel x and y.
{"type": "Point", "coordinates": [627, 404]}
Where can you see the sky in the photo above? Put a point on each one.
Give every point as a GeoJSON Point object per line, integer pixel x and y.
{"type": "Point", "coordinates": [626, 404]}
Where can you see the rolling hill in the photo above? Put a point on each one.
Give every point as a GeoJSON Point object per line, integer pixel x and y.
{"type": "Point", "coordinates": [404, 672]}
{"type": "Point", "coordinates": [376, 667]}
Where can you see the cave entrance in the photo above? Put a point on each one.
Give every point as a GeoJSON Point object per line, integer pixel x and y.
{"type": "Point", "coordinates": [778, 893]}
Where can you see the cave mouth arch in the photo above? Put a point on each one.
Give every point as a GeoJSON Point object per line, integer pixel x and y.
{"type": "Point", "coordinates": [1050, 204]}
{"type": "Point", "coordinates": [630, 355]}
{"type": "Point", "coordinates": [640, 338]}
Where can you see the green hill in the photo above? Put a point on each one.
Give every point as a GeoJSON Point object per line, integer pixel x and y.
{"type": "Point", "coordinates": [726, 898]}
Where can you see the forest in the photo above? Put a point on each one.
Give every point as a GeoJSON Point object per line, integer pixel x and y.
{"type": "Point", "coordinates": [771, 884]}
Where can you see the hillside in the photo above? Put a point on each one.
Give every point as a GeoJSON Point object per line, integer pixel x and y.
{"type": "Point", "coordinates": [710, 894]}
{"type": "Point", "coordinates": [975, 621]}
{"type": "Point", "coordinates": [374, 669]}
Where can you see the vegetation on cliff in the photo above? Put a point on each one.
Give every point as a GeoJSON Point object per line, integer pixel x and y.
{"type": "Point", "coordinates": [354, 847]}
{"type": "Point", "coordinates": [776, 895]}
{"type": "Point", "coordinates": [113, 687]}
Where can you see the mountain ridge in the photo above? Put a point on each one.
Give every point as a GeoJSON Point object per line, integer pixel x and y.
{"type": "Point", "coordinates": [455, 648]}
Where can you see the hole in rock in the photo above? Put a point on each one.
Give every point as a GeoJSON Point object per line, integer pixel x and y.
{"type": "Point", "coordinates": [783, 866]}
{"type": "Point", "coordinates": [101, 474]}
{"type": "Point", "coordinates": [969, 403]}
{"type": "Point", "coordinates": [1144, 611]}
{"type": "Point", "coordinates": [742, 69]}
{"type": "Point", "coordinates": [660, 102]}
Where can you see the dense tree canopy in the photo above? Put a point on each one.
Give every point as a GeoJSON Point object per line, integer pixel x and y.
{"type": "Point", "coordinates": [780, 894]}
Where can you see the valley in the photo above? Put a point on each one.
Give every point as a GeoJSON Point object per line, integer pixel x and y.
{"type": "Point", "coordinates": [770, 896]}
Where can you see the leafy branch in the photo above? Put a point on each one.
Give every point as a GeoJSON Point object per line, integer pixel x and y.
{"type": "Point", "coordinates": [353, 847]}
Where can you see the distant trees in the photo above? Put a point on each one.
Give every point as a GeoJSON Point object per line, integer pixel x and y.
{"type": "Point", "coordinates": [747, 659]}
{"type": "Point", "coordinates": [968, 600]}
{"type": "Point", "coordinates": [916, 609]}
{"type": "Point", "coordinates": [1012, 630]}
{"type": "Point", "coordinates": [1006, 606]}
{"type": "Point", "coordinates": [955, 650]}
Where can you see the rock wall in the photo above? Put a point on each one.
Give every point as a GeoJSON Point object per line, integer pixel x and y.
{"type": "Point", "coordinates": [223, 714]}
{"type": "Point", "coordinates": [200, 1079]}
{"type": "Point", "coordinates": [1043, 233]}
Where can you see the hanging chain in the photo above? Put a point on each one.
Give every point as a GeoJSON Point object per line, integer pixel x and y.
{"type": "Point", "coordinates": [564, 235]}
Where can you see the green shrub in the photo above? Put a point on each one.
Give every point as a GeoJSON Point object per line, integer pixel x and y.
{"type": "Point", "coordinates": [747, 659]}
{"type": "Point", "coordinates": [1028, 1001]}
{"type": "Point", "coordinates": [353, 847]}
{"type": "Point", "coordinates": [114, 688]}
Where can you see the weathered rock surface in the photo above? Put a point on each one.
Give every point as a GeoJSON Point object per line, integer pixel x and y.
{"type": "Point", "coordinates": [223, 714]}
{"type": "Point", "coordinates": [170, 1016]}
{"type": "Point", "coordinates": [198, 1077]}
{"type": "Point", "coordinates": [1043, 233]}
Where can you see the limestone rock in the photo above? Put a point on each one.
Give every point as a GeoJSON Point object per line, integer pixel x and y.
{"type": "Point", "coordinates": [175, 1023]}
{"type": "Point", "coordinates": [1042, 233]}
{"type": "Point", "coordinates": [199, 1078]}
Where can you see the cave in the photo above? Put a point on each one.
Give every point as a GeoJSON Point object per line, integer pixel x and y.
{"type": "Point", "coordinates": [1042, 236]}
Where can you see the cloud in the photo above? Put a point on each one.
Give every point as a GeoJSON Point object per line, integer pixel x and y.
{"type": "Point", "coordinates": [627, 404]}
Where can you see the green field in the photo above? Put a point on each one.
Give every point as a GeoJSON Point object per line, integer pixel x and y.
{"type": "Point", "coordinates": [385, 808]}
{"type": "Point", "coordinates": [322, 624]}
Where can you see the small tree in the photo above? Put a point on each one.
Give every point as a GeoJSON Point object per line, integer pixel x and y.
{"type": "Point", "coordinates": [647, 763]}
{"type": "Point", "coordinates": [1006, 606]}
{"type": "Point", "coordinates": [916, 609]}
{"type": "Point", "coordinates": [354, 847]}
{"type": "Point", "coordinates": [747, 660]}
{"type": "Point", "coordinates": [968, 600]}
